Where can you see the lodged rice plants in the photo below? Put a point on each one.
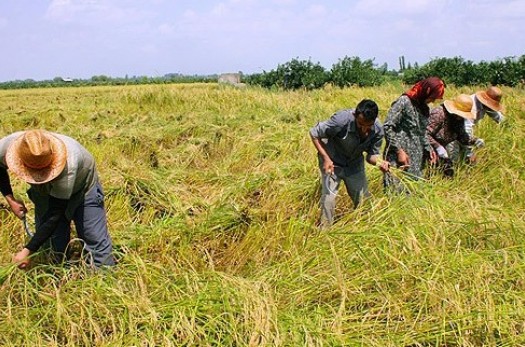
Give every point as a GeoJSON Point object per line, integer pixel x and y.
{"type": "Point", "coordinates": [212, 198]}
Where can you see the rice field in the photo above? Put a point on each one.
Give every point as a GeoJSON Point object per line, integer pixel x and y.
{"type": "Point", "coordinates": [212, 198]}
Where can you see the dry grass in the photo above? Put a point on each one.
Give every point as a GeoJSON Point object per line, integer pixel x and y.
{"type": "Point", "coordinates": [212, 203]}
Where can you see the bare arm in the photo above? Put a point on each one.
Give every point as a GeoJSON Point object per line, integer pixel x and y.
{"type": "Point", "coordinates": [375, 160]}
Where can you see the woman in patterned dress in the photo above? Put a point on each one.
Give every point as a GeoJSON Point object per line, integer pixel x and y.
{"type": "Point", "coordinates": [447, 124]}
{"type": "Point", "coordinates": [407, 145]}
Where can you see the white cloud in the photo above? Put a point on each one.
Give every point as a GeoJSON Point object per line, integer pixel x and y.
{"type": "Point", "coordinates": [92, 11]}
{"type": "Point", "coordinates": [284, 2]}
{"type": "Point", "coordinates": [149, 49]}
{"type": "Point", "coordinates": [253, 19]}
{"type": "Point", "coordinates": [399, 7]}
{"type": "Point", "coordinates": [242, 2]}
{"type": "Point", "coordinates": [494, 10]}
{"type": "Point", "coordinates": [316, 10]}
{"type": "Point", "coordinates": [220, 10]}
{"type": "Point", "coordinates": [216, 35]}
{"type": "Point", "coordinates": [68, 10]}
{"type": "Point", "coordinates": [166, 29]}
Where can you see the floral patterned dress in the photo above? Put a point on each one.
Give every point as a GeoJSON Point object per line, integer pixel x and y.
{"type": "Point", "coordinates": [405, 128]}
{"type": "Point", "coordinates": [442, 129]}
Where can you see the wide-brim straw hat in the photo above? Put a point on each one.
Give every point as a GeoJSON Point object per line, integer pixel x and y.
{"type": "Point", "coordinates": [461, 106]}
{"type": "Point", "coordinates": [491, 98]}
{"type": "Point", "coordinates": [36, 156]}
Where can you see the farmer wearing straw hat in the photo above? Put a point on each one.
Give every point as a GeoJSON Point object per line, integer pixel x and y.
{"type": "Point", "coordinates": [340, 142]}
{"type": "Point", "coordinates": [484, 102]}
{"type": "Point", "coordinates": [447, 124]}
{"type": "Point", "coordinates": [64, 187]}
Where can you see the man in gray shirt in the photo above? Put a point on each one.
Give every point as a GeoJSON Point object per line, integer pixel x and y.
{"type": "Point", "coordinates": [340, 142]}
{"type": "Point", "coordinates": [64, 188]}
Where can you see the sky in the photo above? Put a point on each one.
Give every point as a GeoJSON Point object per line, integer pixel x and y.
{"type": "Point", "coordinates": [83, 38]}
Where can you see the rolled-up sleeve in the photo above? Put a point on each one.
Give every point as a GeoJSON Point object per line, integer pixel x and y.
{"type": "Point", "coordinates": [377, 141]}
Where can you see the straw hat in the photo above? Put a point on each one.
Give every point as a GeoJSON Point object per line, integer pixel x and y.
{"type": "Point", "coordinates": [36, 156]}
{"type": "Point", "coordinates": [461, 105]}
{"type": "Point", "coordinates": [491, 98]}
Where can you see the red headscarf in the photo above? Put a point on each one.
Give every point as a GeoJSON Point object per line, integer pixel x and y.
{"type": "Point", "coordinates": [432, 87]}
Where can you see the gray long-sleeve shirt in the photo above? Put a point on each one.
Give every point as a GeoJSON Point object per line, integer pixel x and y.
{"type": "Point", "coordinates": [62, 195]}
{"type": "Point", "coordinates": [78, 177]}
{"type": "Point", "coordinates": [342, 142]}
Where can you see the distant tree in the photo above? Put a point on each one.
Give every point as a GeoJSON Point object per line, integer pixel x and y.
{"type": "Point", "coordinates": [402, 66]}
{"type": "Point", "coordinates": [460, 72]}
{"type": "Point", "coordinates": [353, 71]}
{"type": "Point", "coordinates": [294, 74]}
{"type": "Point", "coordinates": [100, 78]}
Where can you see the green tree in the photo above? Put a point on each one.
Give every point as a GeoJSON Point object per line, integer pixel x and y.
{"type": "Point", "coordinates": [353, 71]}
{"type": "Point", "coordinates": [294, 74]}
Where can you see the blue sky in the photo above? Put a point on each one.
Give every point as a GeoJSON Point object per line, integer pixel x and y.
{"type": "Point", "coordinates": [82, 38]}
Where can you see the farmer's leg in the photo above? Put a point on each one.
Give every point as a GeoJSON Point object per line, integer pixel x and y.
{"type": "Point", "coordinates": [61, 235]}
{"type": "Point", "coordinates": [90, 221]}
{"type": "Point", "coordinates": [357, 186]}
{"type": "Point", "coordinates": [60, 239]}
{"type": "Point", "coordinates": [329, 188]}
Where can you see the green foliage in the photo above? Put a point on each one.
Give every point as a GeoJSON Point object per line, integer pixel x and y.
{"type": "Point", "coordinates": [102, 80]}
{"type": "Point", "coordinates": [460, 72]}
{"type": "Point", "coordinates": [507, 71]}
{"type": "Point", "coordinates": [455, 70]}
{"type": "Point", "coordinates": [295, 74]}
{"type": "Point", "coordinates": [348, 71]}
{"type": "Point", "coordinates": [352, 71]}
{"type": "Point", "coordinates": [266, 79]}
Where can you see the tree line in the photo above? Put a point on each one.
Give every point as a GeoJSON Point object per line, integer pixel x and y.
{"type": "Point", "coordinates": [102, 80]}
{"type": "Point", "coordinates": [348, 71]}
